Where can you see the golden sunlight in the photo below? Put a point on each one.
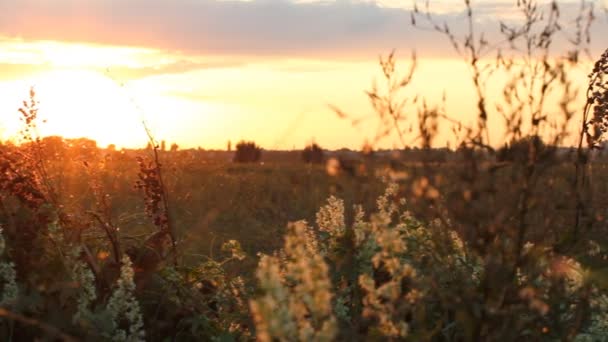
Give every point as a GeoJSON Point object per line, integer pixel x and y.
{"type": "Point", "coordinates": [82, 103]}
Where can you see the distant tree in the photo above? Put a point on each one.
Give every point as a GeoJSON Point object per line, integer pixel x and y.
{"type": "Point", "coordinates": [229, 147]}
{"type": "Point", "coordinates": [313, 154]}
{"type": "Point", "coordinates": [82, 149]}
{"type": "Point", "coordinates": [163, 146]}
{"type": "Point", "coordinates": [54, 146]}
{"type": "Point", "coordinates": [247, 152]}
{"type": "Point", "coordinates": [528, 149]}
{"type": "Point", "coordinates": [174, 147]}
{"type": "Point", "coordinates": [83, 143]}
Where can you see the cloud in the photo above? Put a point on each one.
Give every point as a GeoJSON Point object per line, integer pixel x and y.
{"type": "Point", "coordinates": [18, 71]}
{"type": "Point", "coordinates": [19, 58]}
{"type": "Point", "coordinates": [261, 27]}
{"type": "Point", "coordinates": [251, 28]}
{"type": "Point", "coordinates": [123, 73]}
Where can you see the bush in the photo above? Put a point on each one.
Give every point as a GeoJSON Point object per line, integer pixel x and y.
{"type": "Point", "coordinates": [247, 152]}
{"type": "Point", "coordinates": [313, 154]}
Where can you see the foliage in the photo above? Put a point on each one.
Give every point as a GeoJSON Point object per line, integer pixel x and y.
{"type": "Point", "coordinates": [395, 277]}
{"type": "Point", "coordinates": [71, 272]}
{"type": "Point", "coordinates": [481, 244]}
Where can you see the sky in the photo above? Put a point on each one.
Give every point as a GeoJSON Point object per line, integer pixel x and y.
{"type": "Point", "coordinates": [203, 72]}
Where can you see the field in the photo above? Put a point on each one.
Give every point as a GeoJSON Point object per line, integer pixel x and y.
{"type": "Point", "coordinates": [498, 236]}
{"type": "Point", "coordinates": [226, 215]}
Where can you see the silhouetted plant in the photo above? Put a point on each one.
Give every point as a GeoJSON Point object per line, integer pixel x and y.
{"type": "Point", "coordinates": [152, 183]}
{"type": "Point", "coordinates": [501, 211]}
{"type": "Point", "coordinates": [247, 152]}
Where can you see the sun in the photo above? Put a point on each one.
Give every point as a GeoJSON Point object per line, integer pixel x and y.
{"type": "Point", "coordinates": [77, 103]}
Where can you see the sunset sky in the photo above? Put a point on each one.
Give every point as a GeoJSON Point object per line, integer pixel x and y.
{"type": "Point", "coordinates": [202, 72]}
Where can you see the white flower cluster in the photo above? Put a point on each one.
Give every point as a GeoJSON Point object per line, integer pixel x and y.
{"type": "Point", "coordinates": [381, 248]}
{"type": "Point", "coordinates": [576, 275]}
{"type": "Point", "coordinates": [594, 248]}
{"type": "Point", "coordinates": [382, 301]}
{"type": "Point", "coordinates": [330, 218]}
{"type": "Point", "coordinates": [297, 300]}
{"type": "Point", "coordinates": [85, 278]}
{"type": "Point", "coordinates": [234, 248]}
{"type": "Point", "coordinates": [10, 290]}
{"type": "Point", "coordinates": [123, 304]}
{"type": "Point", "coordinates": [271, 314]}
{"type": "Point", "coordinates": [469, 263]}
{"type": "Point", "coordinates": [386, 207]}
{"type": "Point", "coordinates": [598, 329]}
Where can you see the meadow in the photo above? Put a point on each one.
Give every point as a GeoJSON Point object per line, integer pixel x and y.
{"type": "Point", "coordinates": [482, 242]}
{"type": "Point", "coordinates": [227, 215]}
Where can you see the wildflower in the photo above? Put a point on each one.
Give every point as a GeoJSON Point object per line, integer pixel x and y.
{"type": "Point", "coordinates": [234, 247]}
{"type": "Point", "coordinates": [380, 303]}
{"type": "Point", "coordinates": [311, 295]}
{"type": "Point", "coordinates": [384, 301]}
{"type": "Point", "coordinates": [124, 304]}
{"type": "Point", "coordinates": [598, 328]}
{"type": "Point", "coordinates": [568, 269]}
{"type": "Point", "coordinates": [10, 291]}
{"type": "Point", "coordinates": [457, 241]}
{"type": "Point", "coordinates": [360, 227]}
{"type": "Point", "coordinates": [236, 289]}
{"type": "Point", "coordinates": [386, 208]}
{"type": "Point", "coordinates": [271, 314]}
{"type": "Point", "coordinates": [8, 276]}
{"type": "Point", "coordinates": [88, 294]}
{"type": "Point", "coordinates": [528, 247]}
{"type": "Point", "coordinates": [297, 300]}
{"type": "Point", "coordinates": [85, 279]}
{"type": "Point", "coordinates": [594, 248]}
{"type": "Point", "coordinates": [330, 218]}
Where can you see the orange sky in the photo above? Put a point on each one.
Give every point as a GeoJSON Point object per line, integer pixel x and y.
{"type": "Point", "coordinates": [99, 74]}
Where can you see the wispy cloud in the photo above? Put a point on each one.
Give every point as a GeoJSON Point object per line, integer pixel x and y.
{"type": "Point", "coordinates": [19, 58]}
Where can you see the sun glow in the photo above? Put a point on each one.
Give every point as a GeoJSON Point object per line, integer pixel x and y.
{"type": "Point", "coordinates": [99, 92]}
{"type": "Point", "coordinates": [78, 103]}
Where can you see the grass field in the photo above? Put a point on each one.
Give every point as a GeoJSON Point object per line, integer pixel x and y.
{"type": "Point", "coordinates": [229, 220]}
{"type": "Point", "coordinates": [499, 236]}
